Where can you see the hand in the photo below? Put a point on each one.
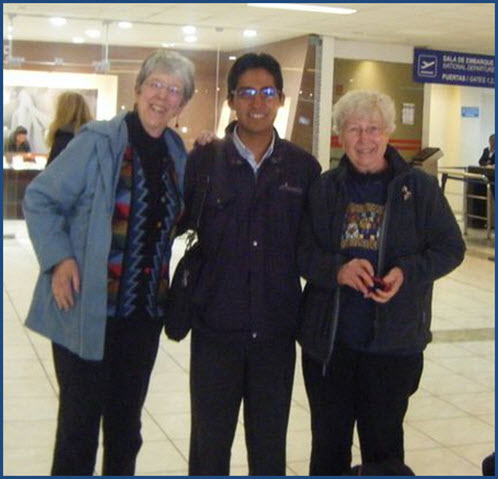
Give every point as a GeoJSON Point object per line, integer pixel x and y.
{"type": "Point", "coordinates": [205, 137]}
{"type": "Point", "coordinates": [65, 280]}
{"type": "Point", "coordinates": [393, 279]}
{"type": "Point", "coordinates": [356, 274]}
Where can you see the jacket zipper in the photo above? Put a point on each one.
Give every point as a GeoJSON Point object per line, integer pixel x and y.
{"type": "Point", "coordinates": [382, 242]}
{"type": "Point", "coordinates": [335, 322]}
{"type": "Point", "coordinates": [337, 296]}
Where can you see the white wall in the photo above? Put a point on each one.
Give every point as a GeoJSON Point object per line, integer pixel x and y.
{"type": "Point", "coordinates": [476, 131]}
{"type": "Point", "coordinates": [322, 116]}
{"type": "Point", "coordinates": [461, 139]}
{"type": "Point", "coordinates": [381, 52]}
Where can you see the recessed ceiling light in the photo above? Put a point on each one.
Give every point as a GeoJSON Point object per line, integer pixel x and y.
{"type": "Point", "coordinates": [58, 21]}
{"type": "Point", "coordinates": [78, 40]}
{"type": "Point", "coordinates": [189, 30]}
{"type": "Point", "coordinates": [250, 33]}
{"type": "Point", "coordinates": [304, 8]}
{"type": "Point", "coordinates": [190, 38]}
{"type": "Point", "coordinates": [92, 33]}
{"type": "Point", "coordinates": [125, 25]}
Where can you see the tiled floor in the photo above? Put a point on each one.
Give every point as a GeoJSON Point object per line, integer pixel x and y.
{"type": "Point", "coordinates": [449, 425]}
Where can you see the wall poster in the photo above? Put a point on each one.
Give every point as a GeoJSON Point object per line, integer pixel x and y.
{"type": "Point", "coordinates": [34, 108]}
{"type": "Point", "coordinates": [29, 99]}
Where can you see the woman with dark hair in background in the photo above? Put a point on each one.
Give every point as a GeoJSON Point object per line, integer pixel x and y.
{"type": "Point", "coordinates": [71, 113]}
{"type": "Point", "coordinates": [18, 141]}
{"type": "Point", "coordinates": [102, 220]}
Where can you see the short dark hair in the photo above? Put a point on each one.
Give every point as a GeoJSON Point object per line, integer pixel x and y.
{"type": "Point", "coordinates": [20, 130]}
{"type": "Point", "coordinates": [250, 61]}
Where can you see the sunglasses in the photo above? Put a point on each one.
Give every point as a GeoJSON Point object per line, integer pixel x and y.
{"type": "Point", "coordinates": [246, 92]}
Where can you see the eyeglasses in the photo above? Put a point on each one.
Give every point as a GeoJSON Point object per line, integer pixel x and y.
{"type": "Point", "coordinates": [246, 92]}
{"type": "Point", "coordinates": [172, 90]}
{"type": "Point", "coordinates": [373, 130]}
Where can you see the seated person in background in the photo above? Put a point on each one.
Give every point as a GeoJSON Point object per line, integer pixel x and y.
{"type": "Point", "coordinates": [71, 113]}
{"type": "Point", "coordinates": [488, 159]}
{"type": "Point", "coordinates": [488, 154]}
{"type": "Point", "coordinates": [18, 141]}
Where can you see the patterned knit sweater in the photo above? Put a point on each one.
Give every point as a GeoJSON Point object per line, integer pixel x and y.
{"type": "Point", "coordinates": [148, 206]}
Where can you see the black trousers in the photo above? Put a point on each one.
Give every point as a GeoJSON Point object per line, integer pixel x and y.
{"type": "Point", "coordinates": [369, 389]}
{"type": "Point", "coordinates": [221, 376]}
{"type": "Point", "coordinates": [113, 389]}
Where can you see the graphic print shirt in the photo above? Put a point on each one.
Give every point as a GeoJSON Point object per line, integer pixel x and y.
{"type": "Point", "coordinates": [360, 239]}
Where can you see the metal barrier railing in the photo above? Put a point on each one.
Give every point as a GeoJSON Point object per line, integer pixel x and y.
{"type": "Point", "coordinates": [461, 174]}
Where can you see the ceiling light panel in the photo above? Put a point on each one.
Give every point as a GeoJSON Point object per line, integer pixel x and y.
{"type": "Point", "coordinates": [125, 25]}
{"type": "Point", "coordinates": [57, 21]}
{"type": "Point", "coordinates": [92, 33]}
{"type": "Point", "coordinates": [189, 30]}
{"type": "Point", "coordinates": [304, 8]}
{"type": "Point", "coordinates": [250, 33]}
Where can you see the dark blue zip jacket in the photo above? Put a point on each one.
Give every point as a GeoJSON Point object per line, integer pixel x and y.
{"type": "Point", "coordinates": [419, 234]}
{"type": "Point", "coordinates": [249, 287]}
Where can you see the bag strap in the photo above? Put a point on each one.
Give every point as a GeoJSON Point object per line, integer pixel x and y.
{"type": "Point", "coordinates": [204, 179]}
{"type": "Point", "coordinates": [202, 182]}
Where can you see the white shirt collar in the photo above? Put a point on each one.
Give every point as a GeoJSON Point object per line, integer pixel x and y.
{"type": "Point", "coordinates": [247, 154]}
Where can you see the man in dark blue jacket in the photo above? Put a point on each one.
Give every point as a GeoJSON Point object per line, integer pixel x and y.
{"type": "Point", "coordinates": [243, 342]}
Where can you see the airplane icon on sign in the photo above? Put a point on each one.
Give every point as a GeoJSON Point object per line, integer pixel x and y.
{"type": "Point", "coordinates": [427, 66]}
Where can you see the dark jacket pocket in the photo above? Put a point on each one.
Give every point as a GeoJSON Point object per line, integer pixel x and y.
{"type": "Point", "coordinates": [316, 321]}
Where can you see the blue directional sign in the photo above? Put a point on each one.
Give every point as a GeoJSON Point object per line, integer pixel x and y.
{"type": "Point", "coordinates": [453, 68]}
{"type": "Point", "coordinates": [470, 111]}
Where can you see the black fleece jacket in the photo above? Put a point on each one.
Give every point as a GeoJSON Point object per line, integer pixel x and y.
{"type": "Point", "coordinates": [62, 137]}
{"type": "Point", "coordinates": [420, 235]}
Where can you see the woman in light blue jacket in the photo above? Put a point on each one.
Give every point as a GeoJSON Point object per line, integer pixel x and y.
{"type": "Point", "coordinates": [102, 219]}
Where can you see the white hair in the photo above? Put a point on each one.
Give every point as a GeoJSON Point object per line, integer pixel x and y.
{"type": "Point", "coordinates": [169, 62]}
{"type": "Point", "coordinates": [364, 103]}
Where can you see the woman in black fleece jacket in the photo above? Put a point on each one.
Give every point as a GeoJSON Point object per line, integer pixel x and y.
{"type": "Point", "coordinates": [378, 234]}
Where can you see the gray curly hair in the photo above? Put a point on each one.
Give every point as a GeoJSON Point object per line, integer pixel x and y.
{"type": "Point", "coordinates": [169, 62]}
{"type": "Point", "coordinates": [364, 103]}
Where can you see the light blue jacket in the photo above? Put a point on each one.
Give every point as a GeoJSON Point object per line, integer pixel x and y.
{"type": "Point", "coordinates": [68, 209]}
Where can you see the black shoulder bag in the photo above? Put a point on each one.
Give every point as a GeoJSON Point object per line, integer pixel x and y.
{"type": "Point", "coordinates": [179, 306]}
